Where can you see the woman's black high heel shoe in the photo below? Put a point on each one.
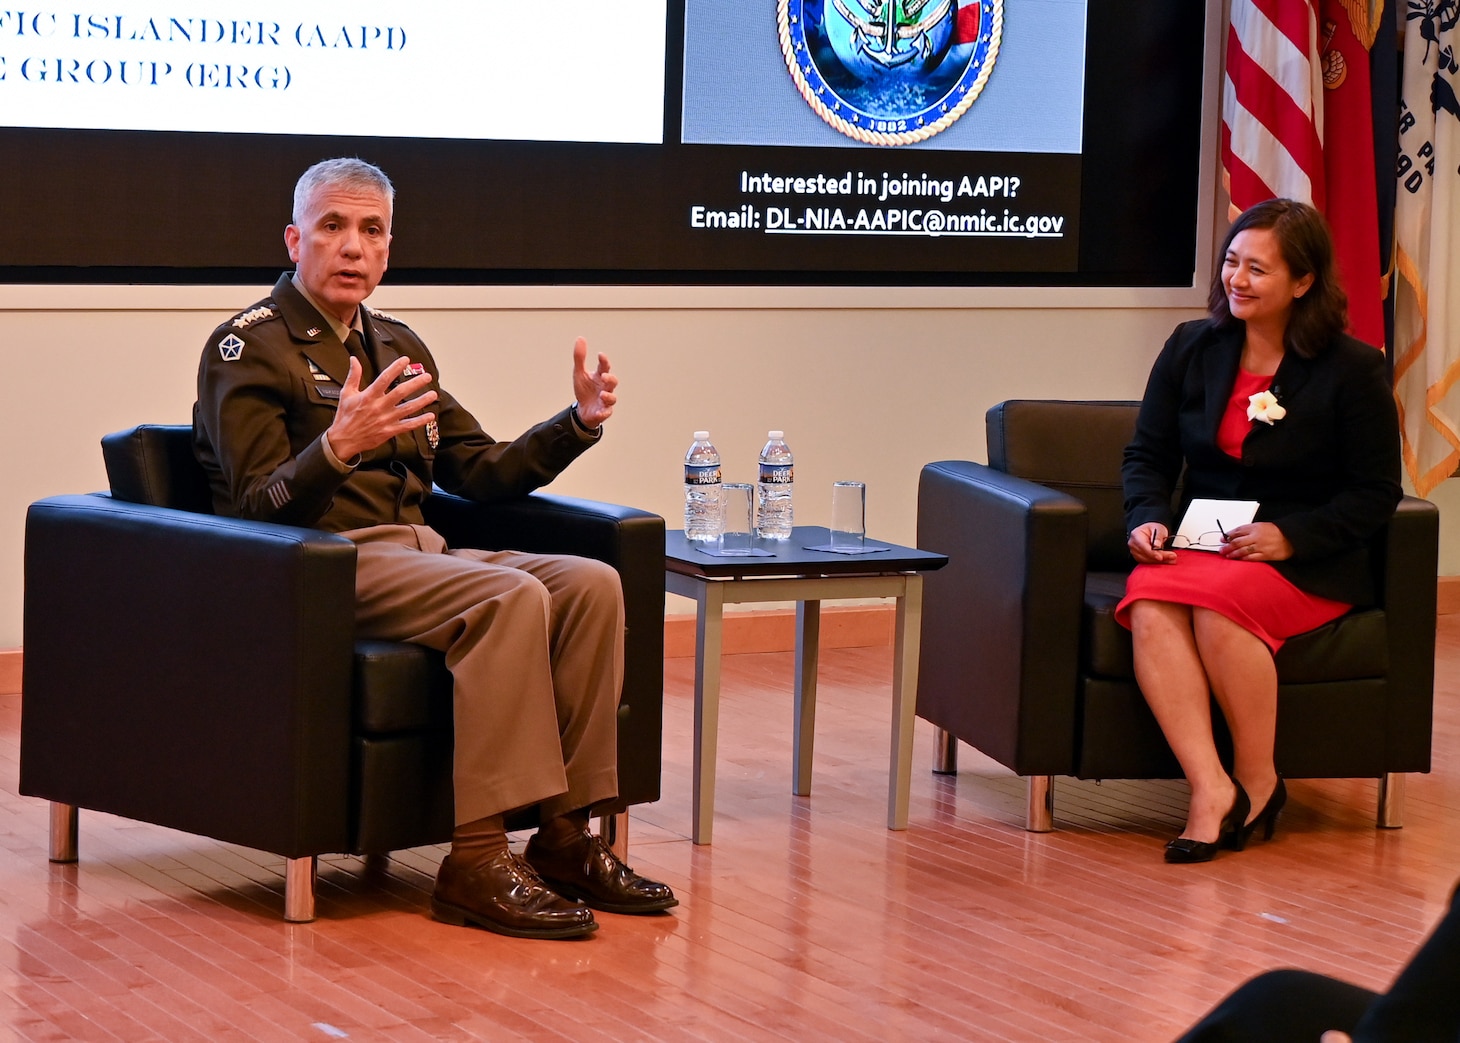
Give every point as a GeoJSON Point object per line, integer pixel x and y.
{"type": "Point", "coordinates": [1184, 850]}
{"type": "Point", "coordinates": [1266, 818]}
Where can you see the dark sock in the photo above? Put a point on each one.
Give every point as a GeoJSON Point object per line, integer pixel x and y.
{"type": "Point", "coordinates": [563, 831]}
{"type": "Point", "coordinates": [476, 842]}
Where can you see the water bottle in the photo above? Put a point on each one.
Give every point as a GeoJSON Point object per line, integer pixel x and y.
{"type": "Point", "coordinates": [702, 490]}
{"type": "Point", "coordinates": [773, 494]}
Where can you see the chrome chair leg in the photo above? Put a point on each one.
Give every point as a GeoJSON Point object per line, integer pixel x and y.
{"type": "Point", "coordinates": [614, 829]}
{"type": "Point", "coordinates": [1040, 815]}
{"type": "Point", "coordinates": [945, 752]}
{"type": "Point", "coordinates": [64, 820]}
{"type": "Point", "coordinates": [299, 877]}
{"type": "Point", "coordinates": [1391, 800]}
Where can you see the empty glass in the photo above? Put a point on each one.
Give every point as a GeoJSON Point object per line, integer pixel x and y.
{"type": "Point", "coordinates": [848, 515]}
{"type": "Point", "coordinates": [737, 501]}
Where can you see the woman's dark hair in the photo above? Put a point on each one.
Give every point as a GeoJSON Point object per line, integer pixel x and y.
{"type": "Point", "coordinates": [1307, 249]}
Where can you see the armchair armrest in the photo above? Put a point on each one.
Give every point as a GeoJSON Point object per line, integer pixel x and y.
{"type": "Point", "coordinates": [1409, 551]}
{"type": "Point", "coordinates": [1001, 624]}
{"type": "Point", "coordinates": [189, 670]}
{"type": "Point", "coordinates": [630, 540]}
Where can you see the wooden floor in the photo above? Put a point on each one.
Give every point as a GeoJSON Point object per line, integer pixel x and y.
{"type": "Point", "coordinates": [806, 919]}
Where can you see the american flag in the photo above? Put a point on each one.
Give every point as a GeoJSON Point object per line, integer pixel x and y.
{"type": "Point", "coordinates": [1282, 137]}
{"type": "Point", "coordinates": [1272, 103]}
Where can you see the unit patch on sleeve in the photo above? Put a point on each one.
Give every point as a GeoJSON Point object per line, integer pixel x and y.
{"type": "Point", "coordinates": [231, 348]}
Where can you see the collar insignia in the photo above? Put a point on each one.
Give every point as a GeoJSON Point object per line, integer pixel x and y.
{"type": "Point", "coordinates": [313, 331]}
{"type": "Point", "coordinates": [248, 318]}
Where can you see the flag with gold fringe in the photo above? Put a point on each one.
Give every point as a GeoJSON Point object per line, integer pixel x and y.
{"type": "Point", "coordinates": [1427, 244]}
{"type": "Point", "coordinates": [1346, 30]}
{"type": "Point", "coordinates": [1297, 122]}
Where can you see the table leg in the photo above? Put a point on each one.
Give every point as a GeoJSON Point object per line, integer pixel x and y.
{"type": "Point", "coordinates": [709, 622]}
{"type": "Point", "coordinates": [904, 700]}
{"type": "Point", "coordinates": [808, 647]}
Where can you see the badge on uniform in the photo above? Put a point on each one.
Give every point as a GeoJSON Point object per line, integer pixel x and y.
{"type": "Point", "coordinates": [231, 348]}
{"type": "Point", "coordinates": [433, 434]}
{"type": "Point", "coordinates": [415, 369]}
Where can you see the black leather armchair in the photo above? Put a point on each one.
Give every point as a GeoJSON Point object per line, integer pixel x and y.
{"type": "Point", "coordinates": [1023, 660]}
{"type": "Point", "coordinates": [202, 673]}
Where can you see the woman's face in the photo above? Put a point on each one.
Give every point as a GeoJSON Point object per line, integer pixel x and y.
{"type": "Point", "coordinates": [1260, 287]}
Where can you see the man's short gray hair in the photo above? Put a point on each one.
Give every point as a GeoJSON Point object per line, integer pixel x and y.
{"type": "Point", "coordinates": [352, 174]}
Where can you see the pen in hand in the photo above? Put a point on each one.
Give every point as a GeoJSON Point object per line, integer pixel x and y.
{"type": "Point", "coordinates": [1222, 531]}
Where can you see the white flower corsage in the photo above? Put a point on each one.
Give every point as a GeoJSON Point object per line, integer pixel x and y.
{"type": "Point", "coordinates": [1264, 406]}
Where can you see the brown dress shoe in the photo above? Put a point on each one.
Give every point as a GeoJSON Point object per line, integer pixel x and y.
{"type": "Point", "coordinates": [504, 895]}
{"type": "Point", "coordinates": [589, 870]}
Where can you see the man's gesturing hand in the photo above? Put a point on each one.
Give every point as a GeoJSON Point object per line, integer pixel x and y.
{"type": "Point", "coordinates": [594, 391]}
{"type": "Point", "coordinates": [373, 416]}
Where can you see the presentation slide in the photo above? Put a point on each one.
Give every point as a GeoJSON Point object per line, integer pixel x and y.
{"type": "Point", "coordinates": [823, 142]}
{"type": "Point", "coordinates": [575, 70]}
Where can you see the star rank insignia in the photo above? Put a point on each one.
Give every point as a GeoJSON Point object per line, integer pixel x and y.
{"type": "Point", "coordinates": [433, 434]}
{"type": "Point", "coordinates": [231, 348]}
{"type": "Point", "coordinates": [248, 318]}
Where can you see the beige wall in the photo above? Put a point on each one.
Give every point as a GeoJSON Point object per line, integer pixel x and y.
{"type": "Point", "coordinates": [869, 394]}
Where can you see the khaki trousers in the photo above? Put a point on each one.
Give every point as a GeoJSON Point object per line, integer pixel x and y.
{"type": "Point", "coordinates": [534, 643]}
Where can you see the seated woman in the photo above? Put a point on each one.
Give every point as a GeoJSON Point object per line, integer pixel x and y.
{"type": "Point", "coordinates": [1266, 399]}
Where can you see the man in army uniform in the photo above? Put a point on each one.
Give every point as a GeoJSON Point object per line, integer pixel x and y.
{"type": "Point", "coordinates": [316, 410]}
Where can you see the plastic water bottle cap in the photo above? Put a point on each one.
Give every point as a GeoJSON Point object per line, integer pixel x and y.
{"type": "Point", "coordinates": [775, 436]}
{"type": "Point", "coordinates": [702, 436]}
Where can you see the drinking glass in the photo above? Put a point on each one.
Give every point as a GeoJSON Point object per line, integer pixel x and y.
{"type": "Point", "coordinates": [737, 500]}
{"type": "Point", "coordinates": [848, 515]}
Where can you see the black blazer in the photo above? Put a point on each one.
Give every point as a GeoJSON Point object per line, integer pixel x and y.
{"type": "Point", "coordinates": [1327, 473]}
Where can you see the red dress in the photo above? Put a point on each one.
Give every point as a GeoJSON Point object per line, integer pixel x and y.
{"type": "Point", "coordinates": [1252, 594]}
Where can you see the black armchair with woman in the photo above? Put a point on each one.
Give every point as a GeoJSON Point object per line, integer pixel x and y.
{"type": "Point", "coordinates": [1267, 400]}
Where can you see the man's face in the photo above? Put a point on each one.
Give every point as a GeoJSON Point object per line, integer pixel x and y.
{"type": "Point", "coordinates": [341, 246]}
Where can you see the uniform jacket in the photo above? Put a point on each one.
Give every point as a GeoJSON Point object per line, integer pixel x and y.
{"type": "Point", "coordinates": [268, 387]}
{"type": "Point", "coordinates": [1327, 473]}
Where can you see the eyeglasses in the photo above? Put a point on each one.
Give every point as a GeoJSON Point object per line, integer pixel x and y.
{"type": "Point", "coordinates": [1215, 538]}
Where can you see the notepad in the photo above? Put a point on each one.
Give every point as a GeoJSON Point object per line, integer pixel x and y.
{"type": "Point", "coordinates": [1205, 520]}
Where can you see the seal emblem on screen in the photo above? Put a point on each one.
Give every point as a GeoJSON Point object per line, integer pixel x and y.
{"type": "Point", "coordinates": [890, 72]}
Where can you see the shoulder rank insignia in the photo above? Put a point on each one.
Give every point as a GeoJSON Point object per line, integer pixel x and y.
{"type": "Point", "coordinates": [248, 318]}
{"type": "Point", "coordinates": [384, 315]}
{"type": "Point", "coordinates": [231, 348]}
